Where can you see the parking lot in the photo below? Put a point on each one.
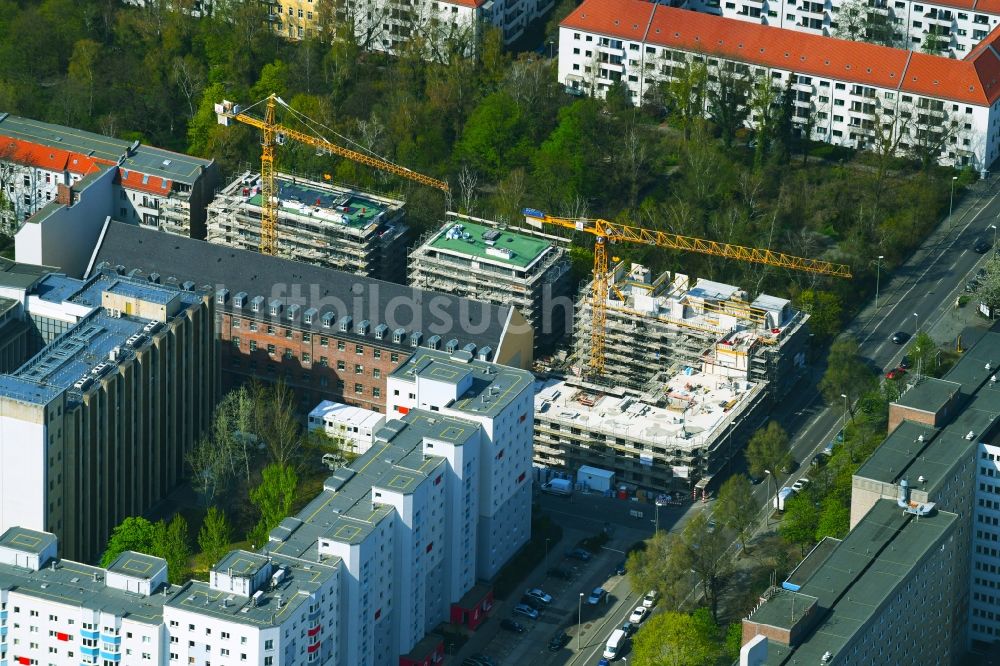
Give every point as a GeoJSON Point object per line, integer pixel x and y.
{"type": "Point", "coordinates": [587, 639]}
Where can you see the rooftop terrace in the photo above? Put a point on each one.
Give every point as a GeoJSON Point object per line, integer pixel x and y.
{"type": "Point", "coordinates": [483, 243]}
{"type": "Point", "coordinates": [333, 206]}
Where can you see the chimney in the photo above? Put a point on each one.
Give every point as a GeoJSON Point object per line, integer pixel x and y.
{"type": "Point", "coordinates": [64, 194]}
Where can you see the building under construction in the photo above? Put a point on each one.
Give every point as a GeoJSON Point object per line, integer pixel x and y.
{"type": "Point", "coordinates": [318, 223]}
{"type": "Point", "coordinates": [658, 327]}
{"type": "Point", "coordinates": [471, 257]}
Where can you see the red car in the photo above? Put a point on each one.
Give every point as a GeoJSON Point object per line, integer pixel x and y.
{"type": "Point", "coordinates": [895, 373]}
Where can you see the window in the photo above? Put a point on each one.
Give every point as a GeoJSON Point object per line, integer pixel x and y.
{"type": "Point", "coordinates": [359, 350]}
{"type": "Point", "coordinates": [394, 357]}
{"type": "Point", "coordinates": [376, 392]}
{"type": "Point", "coordinates": [359, 369]}
{"type": "Point", "coordinates": [324, 341]}
{"type": "Point", "coordinates": [269, 645]}
{"type": "Point", "coordinates": [307, 337]}
{"type": "Point", "coordinates": [253, 345]}
{"type": "Point", "coordinates": [340, 345]}
{"type": "Point", "coordinates": [341, 365]}
{"type": "Point", "coordinates": [377, 373]}
{"type": "Point", "coordinates": [236, 342]}
{"type": "Point", "coordinates": [270, 329]}
{"type": "Point", "coordinates": [377, 353]}
{"type": "Point", "coordinates": [359, 389]}
{"type": "Point", "coordinates": [306, 358]}
{"type": "Point", "coordinates": [271, 350]}
{"type": "Point", "coordinates": [323, 362]}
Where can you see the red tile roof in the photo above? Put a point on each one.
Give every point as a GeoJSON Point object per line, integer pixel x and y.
{"type": "Point", "coordinates": [43, 157]}
{"type": "Point", "coordinates": [136, 180]}
{"type": "Point", "coordinates": [975, 80]}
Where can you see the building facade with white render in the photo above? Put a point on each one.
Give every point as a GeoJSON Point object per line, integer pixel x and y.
{"type": "Point", "coordinates": [846, 93]}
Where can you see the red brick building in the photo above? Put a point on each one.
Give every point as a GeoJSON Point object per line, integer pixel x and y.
{"type": "Point", "coordinates": [330, 335]}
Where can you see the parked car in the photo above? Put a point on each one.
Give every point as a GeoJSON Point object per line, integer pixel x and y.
{"type": "Point", "coordinates": [559, 641]}
{"type": "Point", "coordinates": [906, 362]}
{"type": "Point", "coordinates": [560, 573]}
{"type": "Point", "coordinates": [579, 554]}
{"type": "Point", "coordinates": [526, 611]}
{"type": "Point", "coordinates": [790, 466]}
{"type": "Point", "coordinates": [895, 373]}
{"type": "Point", "coordinates": [512, 625]}
{"type": "Point", "coordinates": [818, 460]}
{"type": "Point", "coordinates": [531, 601]}
{"type": "Point", "coordinates": [629, 628]}
{"type": "Point", "coordinates": [899, 337]}
{"type": "Point", "coordinates": [638, 615]}
{"type": "Point", "coordinates": [539, 595]}
{"type": "Point", "coordinates": [620, 569]}
{"type": "Point", "coordinates": [799, 485]}
{"type": "Point", "coordinates": [596, 596]}
{"type": "Point", "coordinates": [650, 599]}
{"type": "Point", "coordinates": [982, 246]}
{"type": "Point", "coordinates": [603, 662]}
{"type": "Point", "coordinates": [971, 286]}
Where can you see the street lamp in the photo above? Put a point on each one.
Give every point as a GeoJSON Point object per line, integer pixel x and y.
{"type": "Point", "coordinates": [551, 43]}
{"type": "Point", "coordinates": [878, 271]}
{"type": "Point", "coordinates": [994, 228]}
{"type": "Point", "coordinates": [916, 324]}
{"type": "Point", "coordinates": [767, 518]}
{"type": "Point", "coordinates": [579, 621]}
{"type": "Point", "coordinates": [951, 202]}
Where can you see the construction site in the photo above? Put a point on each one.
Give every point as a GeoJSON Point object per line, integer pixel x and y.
{"type": "Point", "coordinates": [690, 367]}
{"type": "Point", "coordinates": [473, 258]}
{"type": "Point", "coordinates": [317, 223]}
{"type": "Point", "coordinates": [656, 327]}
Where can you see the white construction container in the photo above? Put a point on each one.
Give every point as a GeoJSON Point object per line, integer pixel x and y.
{"type": "Point", "coordinates": [596, 479]}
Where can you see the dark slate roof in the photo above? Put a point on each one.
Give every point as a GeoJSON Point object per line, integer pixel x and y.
{"type": "Point", "coordinates": [176, 260]}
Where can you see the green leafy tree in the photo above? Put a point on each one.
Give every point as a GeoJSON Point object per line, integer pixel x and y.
{"type": "Point", "coordinates": [989, 289]}
{"type": "Point", "coordinates": [684, 95]}
{"type": "Point", "coordinates": [846, 373]}
{"type": "Point", "coordinates": [727, 101]}
{"type": "Point", "coordinates": [768, 451]}
{"type": "Point", "coordinates": [273, 498]}
{"type": "Point", "coordinates": [567, 165]}
{"type": "Point", "coordinates": [924, 354]}
{"type": "Point", "coordinates": [735, 508]}
{"type": "Point", "coordinates": [677, 639]}
{"type": "Point", "coordinates": [800, 521]}
{"type": "Point", "coordinates": [134, 533]}
{"type": "Point", "coordinates": [493, 140]}
{"type": "Point", "coordinates": [834, 518]}
{"type": "Point", "coordinates": [215, 535]}
{"type": "Point", "coordinates": [703, 552]}
{"type": "Point", "coordinates": [826, 312]}
{"type": "Point", "coordinates": [173, 543]}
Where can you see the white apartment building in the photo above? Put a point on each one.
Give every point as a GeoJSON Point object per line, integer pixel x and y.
{"type": "Point", "coordinates": [152, 187]}
{"type": "Point", "coordinates": [444, 26]}
{"type": "Point", "coordinates": [984, 599]}
{"type": "Point", "coordinates": [61, 612]}
{"type": "Point", "coordinates": [847, 93]}
{"type": "Point", "coordinates": [257, 609]}
{"type": "Point", "coordinates": [947, 28]}
{"type": "Point", "coordinates": [353, 428]}
{"type": "Point", "coordinates": [500, 399]}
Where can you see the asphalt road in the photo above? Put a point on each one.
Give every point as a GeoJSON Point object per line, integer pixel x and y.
{"type": "Point", "coordinates": [918, 295]}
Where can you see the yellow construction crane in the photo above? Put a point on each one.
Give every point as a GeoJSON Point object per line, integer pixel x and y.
{"type": "Point", "coordinates": [274, 134]}
{"type": "Point", "coordinates": [613, 232]}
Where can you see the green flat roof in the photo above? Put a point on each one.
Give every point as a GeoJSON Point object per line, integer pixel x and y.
{"type": "Point", "coordinates": [858, 577]}
{"type": "Point", "coordinates": [895, 453]}
{"type": "Point", "coordinates": [525, 249]}
{"type": "Point", "coordinates": [356, 210]}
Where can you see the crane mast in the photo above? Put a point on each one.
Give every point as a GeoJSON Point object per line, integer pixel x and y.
{"type": "Point", "coordinates": [274, 134]}
{"type": "Point", "coordinates": [606, 232]}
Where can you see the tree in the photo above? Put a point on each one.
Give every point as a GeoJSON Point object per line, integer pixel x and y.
{"type": "Point", "coordinates": [936, 42]}
{"type": "Point", "coordinates": [172, 543]}
{"type": "Point", "coordinates": [768, 451]}
{"type": "Point", "coordinates": [989, 288]}
{"type": "Point", "coordinates": [727, 100]}
{"type": "Point", "coordinates": [134, 533]}
{"type": "Point", "coordinates": [275, 422]}
{"type": "Point", "coordinates": [215, 535]}
{"type": "Point", "coordinates": [825, 310]}
{"type": "Point", "coordinates": [493, 140]}
{"type": "Point", "coordinates": [846, 373]}
{"type": "Point", "coordinates": [735, 508]}
{"type": "Point", "coordinates": [863, 21]}
{"type": "Point", "coordinates": [273, 498]}
{"type": "Point", "coordinates": [684, 94]}
{"type": "Point", "coordinates": [800, 520]}
{"type": "Point", "coordinates": [703, 551]}
{"type": "Point", "coordinates": [649, 568]}
{"type": "Point", "coordinates": [677, 639]}
{"type": "Point", "coordinates": [924, 354]}
{"type": "Point", "coordinates": [834, 518]}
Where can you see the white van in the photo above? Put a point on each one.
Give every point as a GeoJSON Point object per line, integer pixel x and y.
{"type": "Point", "coordinates": [615, 644]}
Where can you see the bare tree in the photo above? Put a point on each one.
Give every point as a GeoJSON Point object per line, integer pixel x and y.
{"type": "Point", "coordinates": [510, 193]}
{"type": "Point", "coordinates": [276, 424]}
{"type": "Point", "coordinates": [468, 181]}
{"type": "Point", "coordinates": [189, 77]}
